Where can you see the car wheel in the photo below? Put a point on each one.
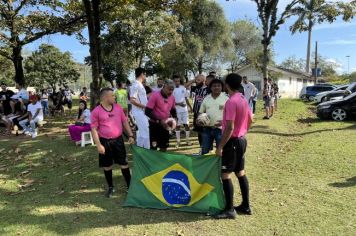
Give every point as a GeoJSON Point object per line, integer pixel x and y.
{"type": "Point", "coordinates": [324, 99]}
{"type": "Point", "coordinates": [311, 98]}
{"type": "Point", "coordinates": [338, 114]}
{"type": "Point", "coordinates": [303, 97]}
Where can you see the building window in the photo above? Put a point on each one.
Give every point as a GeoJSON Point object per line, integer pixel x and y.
{"type": "Point", "coordinates": [290, 80]}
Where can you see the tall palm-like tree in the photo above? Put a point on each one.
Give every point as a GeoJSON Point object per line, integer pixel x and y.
{"type": "Point", "coordinates": [310, 13]}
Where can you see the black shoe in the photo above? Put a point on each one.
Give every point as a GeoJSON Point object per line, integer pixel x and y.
{"type": "Point", "coordinates": [242, 210]}
{"type": "Point", "coordinates": [266, 118]}
{"type": "Point", "coordinates": [226, 214]}
{"type": "Point", "coordinates": [110, 192]}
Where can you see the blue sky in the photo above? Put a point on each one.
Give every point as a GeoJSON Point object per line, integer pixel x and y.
{"type": "Point", "coordinates": [336, 41]}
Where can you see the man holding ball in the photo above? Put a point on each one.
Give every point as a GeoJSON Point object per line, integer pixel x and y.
{"type": "Point", "coordinates": [160, 107]}
{"type": "Point", "coordinates": [237, 118]}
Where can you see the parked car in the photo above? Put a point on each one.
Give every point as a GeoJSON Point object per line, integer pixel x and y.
{"type": "Point", "coordinates": [309, 92]}
{"type": "Point", "coordinates": [338, 110]}
{"type": "Point", "coordinates": [337, 95]}
{"type": "Point", "coordinates": [321, 97]}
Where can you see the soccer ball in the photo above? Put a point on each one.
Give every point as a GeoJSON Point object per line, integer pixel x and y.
{"type": "Point", "coordinates": [172, 124]}
{"type": "Point", "coordinates": [203, 120]}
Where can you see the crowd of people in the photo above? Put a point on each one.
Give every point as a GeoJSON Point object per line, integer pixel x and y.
{"type": "Point", "coordinates": [222, 112]}
{"type": "Point", "coordinates": [22, 112]}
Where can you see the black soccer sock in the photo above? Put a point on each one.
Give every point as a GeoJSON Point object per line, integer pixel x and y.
{"type": "Point", "coordinates": [244, 190]}
{"type": "Point", "coordinates": [229, 193]}
{"type": "Point", "coordinates": [108, 177]}
{"type": "Point", "coordinates": [127, 175]}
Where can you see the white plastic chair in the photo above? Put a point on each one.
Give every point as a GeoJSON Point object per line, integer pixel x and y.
{"type": "Point", "coordinates": [87, 139]}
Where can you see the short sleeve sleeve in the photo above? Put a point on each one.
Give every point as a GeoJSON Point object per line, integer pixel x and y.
{"type": "Point", "coordinates": [94, 119]}
{"type": "Point", "coordinates": [230, 111]}
{"type": "Point", "coordinates": [151, 101]}
{"type": "Point", "coordinates": [134, 91]}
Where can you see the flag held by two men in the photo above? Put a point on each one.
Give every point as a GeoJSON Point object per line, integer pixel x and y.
{"type": "Point", "coordinates": [175, 181]}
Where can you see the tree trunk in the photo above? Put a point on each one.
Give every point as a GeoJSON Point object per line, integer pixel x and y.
{"type": "Point", "coordinates": [17, 60]}
{"type": "Point", "coordinates": [94, 50]}
{"type": "Point", "coordinates": [265, 60]}
{"type": "Point", "coordinates": [200, 66]}
{"type": "Point", "coordinates": [307, 68]}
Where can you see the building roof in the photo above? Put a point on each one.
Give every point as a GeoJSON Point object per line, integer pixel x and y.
{"type": "Point", "coordinates": [279, 69]}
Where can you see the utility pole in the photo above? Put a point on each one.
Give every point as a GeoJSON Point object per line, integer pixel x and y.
{"type": "Point", "coordinates": [348, 64]}
{"type": "Point", "coordinates": [316, 62]}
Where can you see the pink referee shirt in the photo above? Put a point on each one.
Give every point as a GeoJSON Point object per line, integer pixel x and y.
{"type": "Point", "coordinates": [160, 105]}
{"type": "Point", "coordinates": [237, 110]}
{"type": "Point", "coordinates": [108, 123]}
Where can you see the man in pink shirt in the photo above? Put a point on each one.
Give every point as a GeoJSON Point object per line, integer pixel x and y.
{"type": "Point", "coordinates": [107, 123]}
{"type": "Point", "coordinates": [160, 107]}
{"type": "Point", "coordinates": [237, 119]}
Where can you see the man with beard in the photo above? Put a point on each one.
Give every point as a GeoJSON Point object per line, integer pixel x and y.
{"type": "Point", "coordinates": [201, 91]}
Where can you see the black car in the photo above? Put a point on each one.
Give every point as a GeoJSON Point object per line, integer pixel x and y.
{"type": "Point", "coordinates": [339, 109]}
{"type": "Point", "coordinates": [337, 95]}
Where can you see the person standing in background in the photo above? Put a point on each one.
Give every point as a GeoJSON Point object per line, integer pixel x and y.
{"type": "Point", "coordinates": [182, 103]}
{"type": "Point", "coordinates": [249, 91]}
{"type": "Point", "coordinates": [200, 92]}
{"type": "Point", "coordinates": [44, 101]}
{"type": "Point", "coordinates": [139, 101]}
{"type": "Point", "coordinates": [159, 86]}
{"type": "Point", "coordinates": [121, 96]}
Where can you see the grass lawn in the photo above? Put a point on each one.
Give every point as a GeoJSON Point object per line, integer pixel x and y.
{"type": "Point", "coordinates": [302, 174]}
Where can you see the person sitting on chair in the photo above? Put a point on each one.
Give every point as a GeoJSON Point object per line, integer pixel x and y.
{"type": "Point", "coordinates": [35, 115]}
{"type": "Point", "coordinates": [82, 123]}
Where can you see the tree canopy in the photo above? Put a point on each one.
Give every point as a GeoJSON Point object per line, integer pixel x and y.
{"type": "Point", "coordinates": [48, 66]}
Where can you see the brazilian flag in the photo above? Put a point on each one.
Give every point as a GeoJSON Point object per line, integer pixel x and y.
{"type": "Point", "coordinates": [175, 181]}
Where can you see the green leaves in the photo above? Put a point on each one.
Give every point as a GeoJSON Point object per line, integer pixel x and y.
{"type": "Point", "coordinates": [49, 66]}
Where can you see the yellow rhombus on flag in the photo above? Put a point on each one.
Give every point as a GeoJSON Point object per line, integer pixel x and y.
{"type": "Point", "coordinates": [156, 185]}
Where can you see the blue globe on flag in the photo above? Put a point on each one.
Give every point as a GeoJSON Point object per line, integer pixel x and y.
{"type": "Point", "coordinates": [176, 188]}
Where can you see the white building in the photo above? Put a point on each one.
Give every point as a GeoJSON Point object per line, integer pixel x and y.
{"type": "Point", "coordinates": [290, 82]}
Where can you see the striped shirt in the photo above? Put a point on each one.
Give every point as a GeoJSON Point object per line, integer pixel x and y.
{"type": "Point", "coordinates": [200, 93]}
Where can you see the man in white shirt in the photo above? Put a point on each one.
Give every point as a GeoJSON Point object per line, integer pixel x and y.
{"type": "Point", "coordinates": [249, 91]}
{"type": "Point", "coordinates": [181, 96]}
{"type": "Point", "coordinates": [35, 115]}
{"type": "Point", "coordinates": [138, 100]}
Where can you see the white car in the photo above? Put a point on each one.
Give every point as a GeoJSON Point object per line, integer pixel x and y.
{"type": "Point", "coordinates": [321, 96]}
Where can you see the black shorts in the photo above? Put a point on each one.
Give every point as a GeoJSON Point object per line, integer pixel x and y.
{"type": "Point", "coordinates": [115, 152]}
{"type": "Point", "coordinates": [68, 103]}
{"type": "Point", "coordinates": [159, 136]}
{"type": "Point", "coordinates": [233, 157]}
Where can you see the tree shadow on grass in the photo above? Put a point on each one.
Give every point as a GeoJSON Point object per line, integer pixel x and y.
{"type": "Point", "coordinates": [73, 211]}
{"type": "Point", "coordinates": [350, 182]}
{"type": "Point", "coordinates": [67, 194]}
{"type": "Point", "coordinates": [265, 130]}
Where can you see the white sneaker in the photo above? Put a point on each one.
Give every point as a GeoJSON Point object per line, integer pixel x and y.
{"type": "Point", "coordinates": [34, 134]}
{"type": "Point", "coordinates": [26, 132]}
